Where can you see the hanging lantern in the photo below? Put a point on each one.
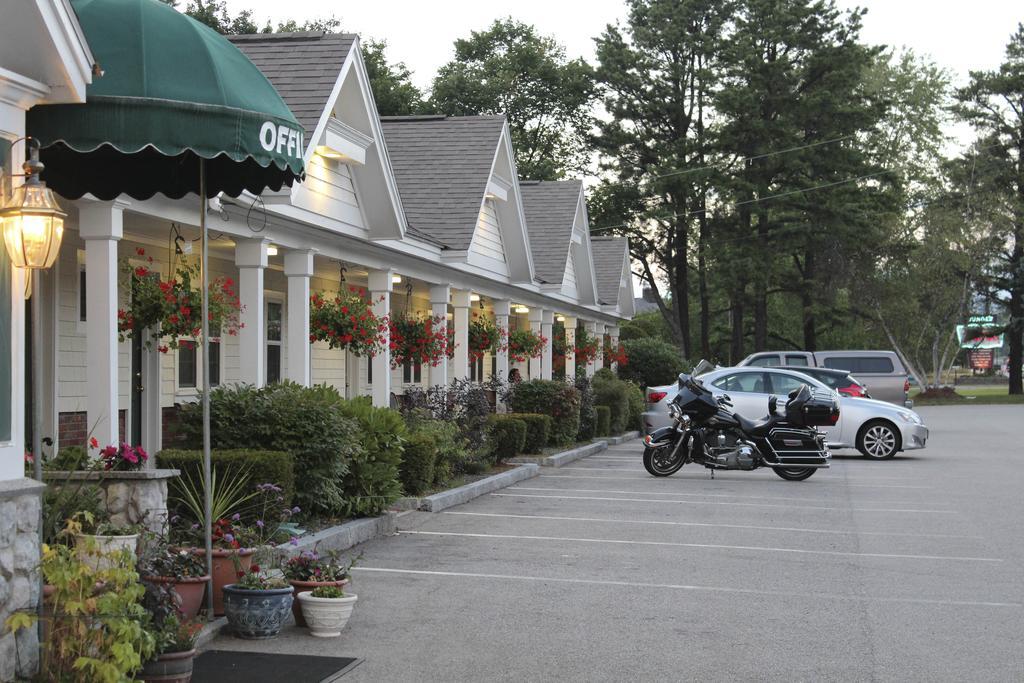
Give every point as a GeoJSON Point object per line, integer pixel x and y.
{"type": "Point", "coordinates": [32, 221]}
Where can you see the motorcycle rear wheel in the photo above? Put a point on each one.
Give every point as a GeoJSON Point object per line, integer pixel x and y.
{"type": "Point", "coordinates": [657, 462]}
{"type": "Point", "coordinates": [795, 473]}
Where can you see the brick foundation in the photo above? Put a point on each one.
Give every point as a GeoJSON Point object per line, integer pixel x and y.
{"type": "Point", "coordinates": [73, 428]}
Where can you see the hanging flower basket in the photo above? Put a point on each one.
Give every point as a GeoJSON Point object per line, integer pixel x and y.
{"type": "Point", "coordinates": [523, 344]}
{"type": "Point", "coordinates": [615, 355]}
{"type": "Point", "coordinates": [346, 322]}
{"type": "Point", "coordinates": [173, 308]}
{"type": "Point", "coordinates": [586, 347]}
{"type": "Point", "coordinates": [419, 340]}
{"type": "Point", "coordinates": [484, 337]}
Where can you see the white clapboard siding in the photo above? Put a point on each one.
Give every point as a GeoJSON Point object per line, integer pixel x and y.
{"type": "Point", "coordinates": [487, 240]}
{"type": "Point", "coordinates": [329, 190]}
{"type": "Point", "coordinates": [569, 283]}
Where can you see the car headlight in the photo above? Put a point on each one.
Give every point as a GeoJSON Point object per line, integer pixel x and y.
{"type": "Point", "coordinates": [910, 417]}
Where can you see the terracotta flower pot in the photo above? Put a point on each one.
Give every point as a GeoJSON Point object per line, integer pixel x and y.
{"type": "Point", "coordinates": [170, 667]}
{"type": "Point", "coordinates": [224, 571]}
{"type": "Point", "coordinates": [190, 590]}
{"type": "Point", "coordinates": [305, 587]}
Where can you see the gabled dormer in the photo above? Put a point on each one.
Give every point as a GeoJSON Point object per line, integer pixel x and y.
{"type": "Point", "coordinates": [323, 79]}
{"type": "Point", "coordinates": [556, 215]}
{"type": "Point", "coordinates": [457, 179]}
{"type": "Point", "coordinates": [614, 276]}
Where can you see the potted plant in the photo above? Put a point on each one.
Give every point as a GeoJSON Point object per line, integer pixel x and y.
{"type": "Point", "coordinates": [179, 569]}
{"type": "Point", "coordinates": [309, 570]}
{"type": "Point", "coordinates": [257, 604]}
{"type": "Point", "coordinates": [174, 638]}
{"type": "Point", "coordinates": [484, 337]}
{"type": "Point", "coordinates": [417, 340]}
{"type": "Point", "coordinates": [346, 322]}
{"type": "Point", "coordinates": [327, 609]}
{"type": "Point", "coordinates": [525, 344]}
{"type": "Point", "coordinates": [99, 543]}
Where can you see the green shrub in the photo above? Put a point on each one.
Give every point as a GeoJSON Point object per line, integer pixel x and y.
{"type": "Point", "coordinates": [588, 418]}
{"type": "Point", "coordinates": [61, 500]}
{"type": "Point", "coordinates": [263, 467]}
{"type": "Point", "coordinates": [651, 362]}
{"type": "Point", "coordinates": [538, 430]}
{"type": "Point", "coordinates": [452, 447]}
{"type": "Point", "coordinates": [558, 400]}
{"type": "Point", "coordinates": [636, 406]}
{"type": "Point", "coordinates": [310, 424]}
{"type": "Point", "coordinates": [419, 458]}
{"type": "Point", "coordinates": [604, 417]}
{"type": "Point", "coordinates": [614, 394]}
{"type": "Point", "coordinates": [506, 436]}
{"type": "Point", "coordinates": [69, 459]}
{"type": "Point", "coordinates": [372, 483]}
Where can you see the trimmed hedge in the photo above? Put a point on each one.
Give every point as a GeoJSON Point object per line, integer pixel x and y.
{"type": "Point", "coordinates": [273, 467]}
{"type": "Point", "coordinates": [559, 400]}
{"type": "Point", "coordinates": [419, 458]}
{"type": "Point", "coordinates": [372, 484]}
{"type": "Point", "coordinates": [588, 418]}
{"type": "Point", "coordinates": [506, 436]}
{"type": "Point", "coordinates": [652, 362]}
{"type": "Point", "coordinates": [614, 394]}
{"type": "Point", "coordinates": [604, 419]}
{"type": "Point", "coordinates": [538, 430]}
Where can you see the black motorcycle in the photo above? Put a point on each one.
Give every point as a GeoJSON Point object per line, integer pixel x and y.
{"type": "Point", "coordinates": [706, 431]}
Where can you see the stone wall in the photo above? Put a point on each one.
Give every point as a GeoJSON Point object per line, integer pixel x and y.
{"type": "Point", "coordinates": [19, 574]}
{"type": "Point", "coordinates": [130, 497]}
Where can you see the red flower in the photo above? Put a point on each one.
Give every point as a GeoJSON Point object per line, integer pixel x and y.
{"type": "Point", "coordinates": [239, 574]}
{"type": "Point", "coordinates": [93, 443]}
{"type": "Point", "coordinates": [140, 251]}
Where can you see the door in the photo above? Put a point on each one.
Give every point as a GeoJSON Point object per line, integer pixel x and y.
{"type": "Point", "coordinates": [749, 391]}
{"type": "Point", "coordinates": [782, 384]}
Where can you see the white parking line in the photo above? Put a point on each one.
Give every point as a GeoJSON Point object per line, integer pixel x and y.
{"type": "Point", "coordinates": [686, 493]}
{"type": "Point", "coordinates": [816, 483]}
{"type": "Point", "coordinates": [707, 524]}
{"type": "Point", "coordinates": [707, 546]}
{"type": "Point", "coordinates": [717, 502]}
{"type": "Point", "coordinates": [673, 586]}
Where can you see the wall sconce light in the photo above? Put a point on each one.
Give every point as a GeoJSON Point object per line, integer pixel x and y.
{"type": "Point", "coordinates": [474, 297]}
{"type": "Point", "coordinates": [271, 250]}
{"type": "Point", "coordinates": [522, 309]}
{"type": "Point", "coordinates": [328, 152]}
{"type": "Point", "coordinates": [395, 279]}
{"type": "Point", "coordinates": [560, 318]}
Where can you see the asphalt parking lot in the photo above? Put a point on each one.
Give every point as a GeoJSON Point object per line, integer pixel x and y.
{"type": "Point", "coordinates": [909, 569]}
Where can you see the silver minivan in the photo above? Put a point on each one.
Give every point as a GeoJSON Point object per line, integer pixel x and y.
{"type": "Point", "coordinates": [881, 371]}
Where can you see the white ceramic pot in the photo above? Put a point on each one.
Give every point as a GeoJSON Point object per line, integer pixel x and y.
{"type": "Point", "coordinates": [326, 616]}
{"type": "Point", "coordinates": [101, 557]}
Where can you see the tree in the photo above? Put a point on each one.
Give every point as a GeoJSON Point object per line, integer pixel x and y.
{"type": "Point", "coordinates": [214, 13]}
{"type": "Point", "coordinates": [547, 98]}
{"type": "Point", "coordinates": [993, 103]}
{"type": "Point", "coordinates": [392, 84]}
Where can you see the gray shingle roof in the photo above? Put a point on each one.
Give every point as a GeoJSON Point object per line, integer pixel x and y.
{"type": "Point", "coordinates": [608, 253]}
{"type": "Point", "coordinates": [550, 209]}
{"type": "Point", "coordinates": [442, 165]}
{"type": "Point", "coordinates": [303, 67]}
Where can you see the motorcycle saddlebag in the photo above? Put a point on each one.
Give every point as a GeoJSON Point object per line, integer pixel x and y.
{"type": "Point", "coordinates": [815, 408]}
{"type": "Point", "coordinates": [796, 447]}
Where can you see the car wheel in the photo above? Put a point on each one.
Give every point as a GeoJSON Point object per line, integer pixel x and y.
{"type": "Point", "coordinates": [878, 440]}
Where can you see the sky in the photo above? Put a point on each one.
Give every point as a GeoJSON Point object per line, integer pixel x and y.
{"type": "Point", "coordinates": [958, 35]}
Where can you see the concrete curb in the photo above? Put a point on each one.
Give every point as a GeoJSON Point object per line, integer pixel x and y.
{"type": "Point", "coordinates": [343, 536]}
{"type": "Point", "coordinates": [210, 631]}
{"type": "Point", "coordinates": [464, 494]}
{"type": "Point", "coordinates": [622, 438]}
{"type": "Point", "coordinates": [565, 457]}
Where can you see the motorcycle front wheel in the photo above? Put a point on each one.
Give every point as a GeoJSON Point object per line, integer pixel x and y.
{"type": "Point", "coordinates": [659, 461]}
{"type": "Point", "coordinates": [795, 473]}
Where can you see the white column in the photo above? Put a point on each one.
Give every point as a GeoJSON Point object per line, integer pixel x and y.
{"type": "Point", "coordinates": [101, 225]}
{"type": "Point", "coordinates": [152, 412]}
{"type": "Point", "coordinates": [439, 295]}
{"type": "Point", "coordinates": [460, 307]}
{"type": "Point", "coordinates": [570, 348]}
{"type": "Point", "coordinates": [536, 319]}
{"type": "Point", "coordinates": [298, 268]}
{"type": "Point", "coordinates": [251, 259]}
{"type": "Point", "coordinates": [590, 327]}
{"type": "Point", "coordinates": [613, 342]}
{"type": "Point", "coordinates": [380, 296]}
{"type": "Point", "coordinates": [501, 313]}
{"type": "Point", "coordinates": [546, 323]}
{"type": "Point", "coordinates": [599, 335]}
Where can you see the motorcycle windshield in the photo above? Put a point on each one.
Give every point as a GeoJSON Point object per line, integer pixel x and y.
{"type": "Point", "coordinates": [702, 368]}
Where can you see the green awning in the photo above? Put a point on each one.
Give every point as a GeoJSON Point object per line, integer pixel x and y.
{"type": "Point", "coordinates": [173, 90]}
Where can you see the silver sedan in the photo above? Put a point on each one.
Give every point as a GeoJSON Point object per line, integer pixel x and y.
{"type": "Point", "coordinates": [875, 428]}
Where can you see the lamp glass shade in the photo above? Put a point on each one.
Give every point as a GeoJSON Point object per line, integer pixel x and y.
{"type": "Point", "coordinates": [33, 226]}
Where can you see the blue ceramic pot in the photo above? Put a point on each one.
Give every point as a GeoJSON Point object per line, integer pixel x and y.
{"type": "Point", "coordinates": [257, 615]}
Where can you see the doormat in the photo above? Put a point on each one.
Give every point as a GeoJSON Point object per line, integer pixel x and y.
{"type": "Point", "coordinates": [222, 666]}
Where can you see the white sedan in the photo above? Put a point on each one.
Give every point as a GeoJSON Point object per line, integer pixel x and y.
{"type": "Point", "coordinates": [876, 428]}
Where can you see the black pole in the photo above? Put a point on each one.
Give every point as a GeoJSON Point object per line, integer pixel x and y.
{"type": "Point", "coordinates": [205, 342]}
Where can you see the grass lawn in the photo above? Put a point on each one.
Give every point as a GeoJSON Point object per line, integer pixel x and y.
{"type": "Point", "coordinates": [972, 395]}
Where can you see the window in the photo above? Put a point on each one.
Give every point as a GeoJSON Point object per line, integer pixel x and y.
{"type": "Point", "coordinates": [796, 360]}
{"type": "Point", "coordinates": [274, 320]}
{"type": "Point", "coordinates": [82, 298]}
{"type": "Point", "coordinates": [369, 371]}
{"type": "Point", "coordinates": [214, 347]}
{"type": "Point", "coordinates": [861, 365]}
{"type": "Point", "coordinates": [744, 382]}
{"type": "Point", "coordinates": [188, 368]}
{"type": "Point", "coordinates": [783, 384]}
{"type": "Point", "coordinates": [412, 372]}
{"type": "Point", "coordinates": [476, 369]}
{"type": "Point", "coordinates": [764, 361]}
{"type": "Point", "coordinates": [494, 365]}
